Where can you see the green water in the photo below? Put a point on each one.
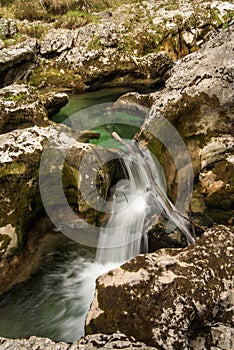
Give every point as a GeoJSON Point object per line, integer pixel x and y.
{"type": "Point", "coordinates": [85, 100]}
{"type": "Point", "coordinates": [52, 303]}
{"type": "Point", "coordinates": [125, 123]}
{"type": "Point", "coordinates": [49, 304]}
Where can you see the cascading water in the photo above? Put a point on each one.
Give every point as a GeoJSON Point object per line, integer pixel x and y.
{"type": "Point", "coordinates": [65, 293]}
{"type": "Point", "coordinates": [136, 199]}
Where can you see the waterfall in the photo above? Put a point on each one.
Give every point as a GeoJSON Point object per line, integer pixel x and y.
{"type": "Point", "coordinates": [62, 296]}
{"type": "Point", "coordinates": [136, 199]}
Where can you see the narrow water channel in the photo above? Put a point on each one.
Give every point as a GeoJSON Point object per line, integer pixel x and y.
{"type": "Point", "coordinates": [54, 303]}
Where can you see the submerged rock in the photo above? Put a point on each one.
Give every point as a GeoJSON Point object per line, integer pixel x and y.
{"type": "Point", "coordinates": [171, 298]}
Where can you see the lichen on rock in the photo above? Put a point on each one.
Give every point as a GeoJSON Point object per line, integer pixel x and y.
{"type": "Point", "coordinates": [22, 106]}
{"type": "Point", "coordinates": [198, 101]}
{"type": "Point", "coordinates": [171, 295]}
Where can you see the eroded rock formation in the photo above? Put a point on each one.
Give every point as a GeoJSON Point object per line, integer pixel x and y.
{"type": "Point", "coordinates": [171, 299]}
{"type": "Point", "coordinates": [22, 106]}
{"type": "Point", "coordinates": [97, 341]}
{"type": "Point", "coordinates": [198, 101]}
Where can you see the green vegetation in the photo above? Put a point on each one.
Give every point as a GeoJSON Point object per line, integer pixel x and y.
{"type": "Point", "coordinates": [49, 10]}
{"type": "Point", "coordinates": [95, 43]}
{"type": "Point", "coordinates": [74, 19]}
{"type": "Point", "coordinates": [17, 97]}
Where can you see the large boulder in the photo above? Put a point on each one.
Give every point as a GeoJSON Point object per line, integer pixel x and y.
{"type": "Point", "coordinates": [45, 169]}
{"type": "Point", "coordinates": [198, 101]}
{"type": "Point", "coordinates": [20, 197]}
{"type": "Point", "coordinates": [22, 106]}
{"type": "Point", "coordinates": [57, 41]}
{"type": "Point", "coordinates": [173, 298]}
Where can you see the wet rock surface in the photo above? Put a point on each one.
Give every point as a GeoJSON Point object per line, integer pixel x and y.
{"type": "Point", "coordinates": [173, 298]}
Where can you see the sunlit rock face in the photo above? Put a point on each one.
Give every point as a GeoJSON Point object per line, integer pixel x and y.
{"type": "Point", "coordinates": [172, 298]}
{"type": "Point", "coordinates": [198, 101]}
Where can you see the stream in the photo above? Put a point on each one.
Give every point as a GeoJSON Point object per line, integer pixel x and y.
{"type": "Point", "coordinates": [55, 301]}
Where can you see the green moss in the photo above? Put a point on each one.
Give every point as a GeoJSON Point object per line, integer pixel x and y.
{"type": "Point", "coordinates": [95, 43]}
{"type": "Point", "coordinates": [194, 48]}
{"type": "Point", "coordinates": [178, 18]}
{"type": "Point", "coordinates": [12, 169]}
{"type": "Point", "coordinates": [32, 29]}
{"type": "Point", "coordinates": [19, 188]}
{"type": "Point", "coordinates": [228, 16]}
{"type": "Point", "coordinates": [215, 15]}
{"type": "Point", "coordinates": [74, 19]}
{"type": "Point", "coordinates": [17, 97]}
{"type": "Point", "coordinates": [171, 7]}
{"type": "Point", "coordinates": [48, 75]}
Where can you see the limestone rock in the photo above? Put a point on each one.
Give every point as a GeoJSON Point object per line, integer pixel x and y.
{"type": "Point", "coordinates": [17, 61]}
{"type": "Point", "coordinates": [20, 107]}
{"type": "Point", "coordinates": [20, 153]}
{"type": "Point", "coordinates": [97, 341]}
{"type": "Point", "coordinates": [197, 96]}
{"type": "Point", "coordinates": [214, 192]}
{"type": "Point", "coordinates": [8, 27]}
{"type": "Point", "coordinates": [198, 101]}
{"type": "Point", "coordinates": [47, 169]}
{"type": "Point", "coordinates": [57, 41]}
{"type": "Point", "coordinates": [108, 51]}
{"type": "Point", "coordinates": [168, 298]}
{"type": "Point", "coordinates": [53, 102]}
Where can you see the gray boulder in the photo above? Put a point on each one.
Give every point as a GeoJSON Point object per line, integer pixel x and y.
{"type": "Point", "coordinates": [57, 41]}
{"type": "Point", "coordinates": [22, 107]}
{"type": "Point", "coordinates": [8, 27]}
{"type": "Point", "coordinates": [172, 298]}
{"type": "Point", "coordinates": [46, 169]}
{"type": "Point", "coordinates": [198, 101]}
{"type": "Point", "coordinates": [17, 61]}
